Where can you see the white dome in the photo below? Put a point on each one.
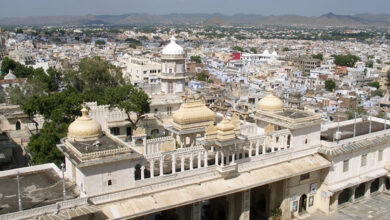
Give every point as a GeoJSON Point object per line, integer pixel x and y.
{"type": "Point", "coordinates": [173, 48]}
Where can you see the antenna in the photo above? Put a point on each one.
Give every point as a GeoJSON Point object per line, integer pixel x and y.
{"type": "Point", "coordinates": [354, 126]}
{"type": "Point", "coordinates": [369, 127]}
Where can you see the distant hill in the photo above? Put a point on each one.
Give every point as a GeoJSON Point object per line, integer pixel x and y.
{"type": "Point", "coordinates": [330, 19]}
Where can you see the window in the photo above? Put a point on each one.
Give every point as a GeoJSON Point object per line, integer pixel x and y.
{"type": "Point", "coordinates": [170, 87]}
{"type": "Point", "coordinates": [129, 131]}
{"type": "Point", "coordinates": [155, 110]}
{"type": "Point", "coordinates": [380, 155]}
{"type": "Point", "coordinates": [306, 141]}
{"type": "Point", "coordinates": [364, 160]}
{"type": "Point", "coordinates": [109, 182]}
{"type": "Point", "coordinates": [345, 165]}
{"type": "Point", "coordinates": [114, 131]}
{"type": "Point", "coordinates": [169, 110]}
{"type": "Point", "coordinates": [305, 176]}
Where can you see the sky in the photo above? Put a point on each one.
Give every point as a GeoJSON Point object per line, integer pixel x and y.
{"type": "Point", "coordinates": [25, 8]}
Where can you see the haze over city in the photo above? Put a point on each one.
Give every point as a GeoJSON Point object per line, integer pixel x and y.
{"type": "Point", "coordinates": [23, 8]}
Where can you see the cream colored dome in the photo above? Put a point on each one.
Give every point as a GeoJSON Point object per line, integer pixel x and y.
{"type": "Point", "coordinates": [84, 128]}
{"type": "Point", "coordinates": [173, 48]}
{"type": "Point", "coordinates": [225, 125]}
{"type": "Point", "coordinates": [270, 103]}
{"type": "Point", "coordinates": [193, 112]}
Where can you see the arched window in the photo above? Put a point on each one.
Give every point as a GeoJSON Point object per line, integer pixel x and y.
{"type": "Point", "coordinates": [137, 172]}
{"type": "Point", "coordinates": [17, 125]}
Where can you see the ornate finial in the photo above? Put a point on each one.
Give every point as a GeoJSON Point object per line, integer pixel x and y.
{"type": "Point", "coordinates": [173, 39]}
{"type": "Point", "coordinates": [84, 110]}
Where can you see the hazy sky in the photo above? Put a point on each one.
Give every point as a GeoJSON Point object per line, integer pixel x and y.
{"type": "Point", "coordinates": [23, 8]}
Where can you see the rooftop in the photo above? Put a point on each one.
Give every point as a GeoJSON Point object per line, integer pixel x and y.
{"type": "Point", "coordinates": [362, 128]}
{"type": "Point", "coordinates": [39, 188]}
{"type": "Point", "coordinates": [293, 114]}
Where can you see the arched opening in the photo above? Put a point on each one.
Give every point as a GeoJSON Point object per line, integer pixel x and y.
{"type": "Point", "coordinates": [139, 142]}
{"type": "Point", "coordinates": [302, 203]}
{"type": "Point", "coordinates": [387, 184]}
{"type": "Point", "coordinates": [137, 172]}
{"type": "Point", "coordinates": [360, 190]}
{"type": "Point", "coordinates": [17, 125]}
{"type": "Point", "coordinates": [154, 133]}
{"type": "Point", "coordinates": [344, 196]}
{"type": "Point", "coordinates": [374, 186]}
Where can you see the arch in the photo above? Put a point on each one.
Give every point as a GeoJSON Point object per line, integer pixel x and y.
{"type": "Point", "coordinates": [137, 172]}
{"type": "Point", "coordinates": [387, 184]}
{"type": "Point", "coordinates": [360, 190]}
{"type": "Point", "coordinates": [345, 196]}
{"type": "Point", "coordinates": [154, 132]}
{"type": "Point", "coordinates": [139, 142]}
{"type": "Point", "coordinates": [374, 186]}
{"type": "Point", "coordinates": [302, 203]}
{"type": "Point", "coordinates": [18, 125]}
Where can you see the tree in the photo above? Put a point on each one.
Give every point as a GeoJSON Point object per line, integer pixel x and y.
{"type": "Point", "coordinates": [237, 48]}
{"type": "Point", "coordinates": [100, 42]}
{"type": "Point", "coordinates": [345, 60]}
{"type": "Point", "coordinates": [318, 56]}
{"type": "Point", "coordinates": [370, 64]}
{"type": "Point", "coordinates": [253, 50]}
{"type": "Point", "coordinates": [201, 76]}
{"type": "Point", "coordinates": [286, 49]}
{"type": "Point", "coordinates": [374, 84]}
{"type": "Point", "coordinates": [330, 85]}
{"type": "Point", "coordinates": [6, 65]}
{"type": "Point", "coordinates": [131, 100]}
{"type": "Point", "coordinates": [378, 92]}
{"type": "Point", "coordinates": [196, 59]}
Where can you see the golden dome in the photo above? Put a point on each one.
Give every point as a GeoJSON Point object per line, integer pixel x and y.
{"type": "Point", "coordinates": [193, 112]}
{"type": "Point", "coordinates": [270, 103]}
{"type": "Point", "coordinates": [225, 125]}
{"type": "Point", "coordinates": [84, 128]}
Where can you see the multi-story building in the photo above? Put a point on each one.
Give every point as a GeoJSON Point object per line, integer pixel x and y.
{"type": "Point", "coordinates": [142, 70]}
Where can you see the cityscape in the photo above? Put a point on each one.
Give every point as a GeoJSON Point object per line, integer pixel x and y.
{"type": "Point", "coordinates": [188, 115]}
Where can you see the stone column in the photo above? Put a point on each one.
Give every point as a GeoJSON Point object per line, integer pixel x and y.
{"type": "Point", "coordinates": [273, 143]}
{"type": "Point", "coordinates": [335, 200]}
{"type": "Point", "coordinates": [196, 211]}
{"type": "Point", "coordinates": [182, 162]}
{"type": "Point", "coordinates": [233, 157]}
{"type": "Point", "coordinates": [162, 166]}
{"type": "Point", "coordinates": [173, 163]}
{"type": "Point", "coordinates": [381, 184]}
{"type": "Point", "coordinates": [367, 192]}
{"type": "Point", "coordinates": [206, 157]}
{"type": "Point", "coordinates": [245, 205]}
{"type": "Point", "coordinates": [257, 147]}
{"type": "Point", "coordinates": [222, 158]}
{"type": "Point", "coordinates": [152, 168]}
{"type": "Point", "coordinates": [191, 161]}
{"type": "Point", "coordinates": [353, 190]}
{"type": "Point", "coordinates": [250, 149]}
{"type": "Point", "coordinates": [216, 157]}
{"type": "Point", "coordinates": [142, 172]}
{"type": "Point", "coordinates": [264, 147]}
{"type": "Point", "coordinates": [182, 141]}
{"type": "Point", "coordinates": [199, 160]}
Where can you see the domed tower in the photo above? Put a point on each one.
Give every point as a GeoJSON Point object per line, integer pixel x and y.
{"type": "Point", "coordinates": [84, 128]}
{"type": "Point", "coordinates": [173, 68]}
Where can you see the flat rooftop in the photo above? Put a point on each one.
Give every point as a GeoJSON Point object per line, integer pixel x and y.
{"type": "Point", "coordinates": [105, 143]}
{"type": "Point", "coordinates": [293, 114]}
{"type": "Point", "coordinates": [39, 188]}
{"type": "Point", "coordinates": [362, 128]}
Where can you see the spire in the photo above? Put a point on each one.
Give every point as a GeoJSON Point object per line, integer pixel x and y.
{"type": "Point", "coordinates": [84, 110]}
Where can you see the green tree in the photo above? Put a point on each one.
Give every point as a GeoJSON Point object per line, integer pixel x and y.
{"type": "Point", "coordinates": [6, 65]}
{"type": "Point", "coordinates": [330, 85]}
{"type": "Point", "coordinates": [370, 64]}
{"type": "Point", "coordinates": [318, 56]}
{"type": "Point", "coordinates": [237, 48]}
{"type": "Point", "coordinates": [378, 92]}
{"type": "Point", "coordinates": [133, 101]}
{"type": "Point", "coordinates": [374, 84]}
{"type": "Point", "coordinates": [359, 112]}
{"type": "Point", "coordinates": [253, 50]}
{"type": "Point", "coordinates": [100, 42]}
{"type": "Point", "coordinates": [201, 76]}
{"type": "Point", "coordinates": [348, 60]}
{"type": "Point", "coordinates": [196, 59]}
{"type": "Point", "coordinates": [286, 49]}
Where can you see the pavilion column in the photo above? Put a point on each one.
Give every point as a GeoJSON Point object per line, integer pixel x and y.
{"type": "Point", "coordinates": [250, 149]}
{"type": "Point", "coordinates": [381, 184]}
{"type": "Point", "coordinates": [151, 168]}
{"type": "Point", "coordinates": [367, 192]}
{"type": "Point", "coordinates": [273, 144]}
{"type": "Point", "coordinates": [335, 203]}
{"type": "Point", "coordinates": [162, 166]}
{"type": "Point", "coordinates": [245, 205]}
{"type": "Point", "coordinates": [264, 147]}
{"type": "Point", "coordinates": [196, 211]}
{"type": "Point", "coordinates": [181, 141]}
{"type": "Point", "coordinates": [142, 172]}
{"type": "Point", "coordinates": [216, 157]}
{"type": "Point", "coordinates": [199, 160]}
{"type": "Point", "coordinates": [222, 158]}
{"type": "Point", "coordinates": [233, 155]}
{"type": "Point", "coordinates": [282, 146]}
{"type": "Point", "coordinates": [206, 157]}
{"type": "Point", "coordinates": [257, 147]}
{"type": "Point", "coordinates": [173, 163]}
{"type": "Point", "coordinates": [191, 161]}
{"type": "Point", "coordinates": [182, 162]}
{"type": "Point", "coordinates": [353, 190]}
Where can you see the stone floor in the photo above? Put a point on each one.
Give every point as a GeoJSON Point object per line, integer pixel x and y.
{"type": "Point", "coordinates": [376, 207]}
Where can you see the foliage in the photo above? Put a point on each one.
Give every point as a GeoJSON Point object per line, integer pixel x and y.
{"type": "Point", "coordinates": [133, 101]}
{"type": "Point", "coordinates": [374, 84]}
{"type": "Point", "coordinates": [19, 70]}
{"type": "Point", "coordinates": [253, 50]}
{"type": "Point", "coordinates": [210, 81]}
{"type": "Point", "coordinates": [330, 85]}
{"type": "Point", "coordinates": [277, 212]}
{"type": "Point", "coordinates": [133, 43]}
{"type": "Point", "coordinates": [359, 113]}
{"type": "Point", "coordinates": [237, 48]}
{"type": "Point", "coordinates": [286, 49]}
{"type": "Point", "coordinates": [100, 42]}
{"type": "Point", "coordinates": [201, 76]}
{"type": "Point", "coordinates": [370, 64]}
{"type": "Point", "coordinates": [346, 60]}
{"type": "Point", "coordinates": [378, 92]}
{"type": "Point", "coordinates": [196, 59]}
{"type": "Point", "coordinates": [381, 114]}
{"type": "Point", "coordinates": [318, 56]}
